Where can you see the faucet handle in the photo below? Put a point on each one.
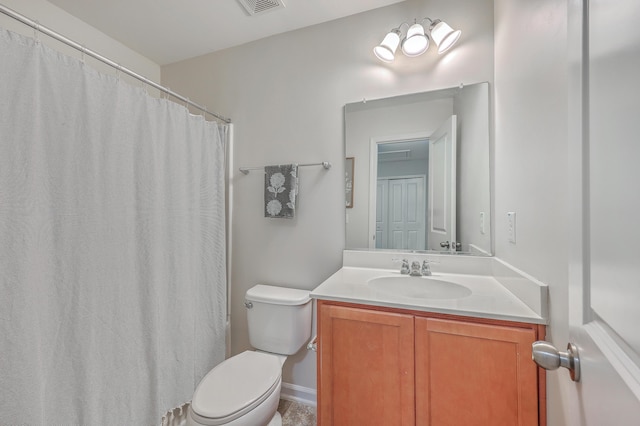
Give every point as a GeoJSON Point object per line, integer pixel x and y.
{"type": "Point", "coordinates": [426, 268]}
{"type": "Point", "coordinates": [404, 269]}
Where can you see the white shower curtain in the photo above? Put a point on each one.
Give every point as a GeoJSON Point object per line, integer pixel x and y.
{"type": "Point", "coordinates": [112, 245]}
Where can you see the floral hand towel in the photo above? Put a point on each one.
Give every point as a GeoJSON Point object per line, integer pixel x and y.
{"type": "Point", "coordinates": [281, 190]}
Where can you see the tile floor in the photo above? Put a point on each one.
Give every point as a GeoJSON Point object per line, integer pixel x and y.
{"type": "Point", "coordinates": [296, 414]}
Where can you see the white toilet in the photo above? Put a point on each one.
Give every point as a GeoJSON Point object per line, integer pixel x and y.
{"type": "Point", "coordinates": [244, 390]}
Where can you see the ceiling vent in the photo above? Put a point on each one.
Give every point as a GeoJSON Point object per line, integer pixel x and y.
{"type": "Point", "coordinates": [258, 7]}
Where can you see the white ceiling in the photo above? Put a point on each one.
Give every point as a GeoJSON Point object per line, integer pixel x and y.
{"type": "Point", "coordinates": [167, 31]}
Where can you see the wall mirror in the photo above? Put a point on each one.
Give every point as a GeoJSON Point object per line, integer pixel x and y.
{"type": "Point", "coordinates": [421, 172]}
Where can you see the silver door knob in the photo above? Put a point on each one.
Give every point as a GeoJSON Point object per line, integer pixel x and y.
{"type": "Point", "coordinates": [548, 357]}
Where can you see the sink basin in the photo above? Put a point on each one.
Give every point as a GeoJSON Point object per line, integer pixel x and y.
{"type": "Point", "coordinates": [419, 287]}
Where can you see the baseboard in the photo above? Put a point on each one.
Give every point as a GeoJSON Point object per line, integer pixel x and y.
{"type": "Point", "coordinates": [301, 394]}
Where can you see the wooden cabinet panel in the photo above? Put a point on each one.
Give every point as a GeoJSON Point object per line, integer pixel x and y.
{"type": "Point", "coordinates": [366, 367]}
{"type": "Point", "coordinates": [474, 374]}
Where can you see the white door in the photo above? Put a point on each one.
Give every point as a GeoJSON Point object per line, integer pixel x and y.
{"type": "Point", "coordinates": [401, 224]}
{"type": "Point", "coordinates": [441, 204]}
{"type": "Point", "coordinates": [406, 214]}
{"type": "Point", "coordinates": [604, 273]}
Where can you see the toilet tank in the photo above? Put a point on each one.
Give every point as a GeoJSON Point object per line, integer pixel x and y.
{"type": "Point", "coordinates": [279, 318]}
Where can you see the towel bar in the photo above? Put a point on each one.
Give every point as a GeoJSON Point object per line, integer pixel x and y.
{"type": "Point", "coordinates": [325, 164]}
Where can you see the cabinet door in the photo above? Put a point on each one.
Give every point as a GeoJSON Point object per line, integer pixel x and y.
{"type": "Point", "coordinates": [366, 369]}
{"type": "Point", "coordinates": [474, 374]}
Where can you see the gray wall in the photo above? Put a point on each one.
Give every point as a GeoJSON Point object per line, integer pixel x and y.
{"type": "Point", "coordinates": [531, 157]}
{"type": "Point", "coordinates": [390, 169]}
{"type": "Point", "coordinates": [285, 95]}
{"type": "Point", "coordinates": [474, 187]}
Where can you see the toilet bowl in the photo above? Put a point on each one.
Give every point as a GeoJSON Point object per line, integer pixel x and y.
{"type": "Point", "coordinates": [244, 390]}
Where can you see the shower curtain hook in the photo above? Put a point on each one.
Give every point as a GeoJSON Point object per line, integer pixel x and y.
{"type": "Point", "coordinates": [83, 50]}
{"type": "Point", "coordinates": [118, 69]}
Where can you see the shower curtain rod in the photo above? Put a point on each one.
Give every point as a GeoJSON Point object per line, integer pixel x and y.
{"type": "Point", "coordinates": [35, 25]}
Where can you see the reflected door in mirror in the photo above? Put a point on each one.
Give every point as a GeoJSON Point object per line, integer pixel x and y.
{"type": "Point", "coordinates": [400, 217]}
{"type": "Point", "coordinates": [442, 186]}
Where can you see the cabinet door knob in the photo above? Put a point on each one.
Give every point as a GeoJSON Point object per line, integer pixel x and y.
{"type": "Point", "coordinates": [548, 357]}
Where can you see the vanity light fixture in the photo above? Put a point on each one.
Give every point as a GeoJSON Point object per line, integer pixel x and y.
{"type": "Point", "coordinates": [386, 50]}
{"type": "Point", "coordinates": [416, 40]}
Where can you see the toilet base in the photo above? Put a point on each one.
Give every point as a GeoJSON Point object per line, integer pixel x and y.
{"type": "Point", "coordinates": [276, 420]}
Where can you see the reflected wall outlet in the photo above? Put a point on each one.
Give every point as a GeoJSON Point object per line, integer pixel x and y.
{"type": "Point", "coordinates": [511, 227]}
{"type": "Point", "coordinates": [482, 222]}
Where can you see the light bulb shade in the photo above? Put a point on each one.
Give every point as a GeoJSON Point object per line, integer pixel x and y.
{"type": "Point", "coordinates": [416, 42]}
{"type": "Point", "coordinates": [386, 50]}
{"type": "Point", "coordinates": [443, 35]}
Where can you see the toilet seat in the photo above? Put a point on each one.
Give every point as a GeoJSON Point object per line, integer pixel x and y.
{"type": "Point", "coordinates": [236, 387]}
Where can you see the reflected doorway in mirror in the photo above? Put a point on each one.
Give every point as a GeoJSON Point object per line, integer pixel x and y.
{"type": "Point", "coordinates": [348, 177]}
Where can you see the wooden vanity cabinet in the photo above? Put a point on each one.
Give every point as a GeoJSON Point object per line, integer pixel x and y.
{"type": "Point", "coordinates": [366, 366]}
{"type": "Point", "coordinates": [474, 374]}
{"type": "Point", "coordinates": [382, 366]}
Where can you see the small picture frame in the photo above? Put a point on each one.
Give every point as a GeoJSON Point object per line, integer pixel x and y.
{"type": "Point", "coordinates": [348, 177]}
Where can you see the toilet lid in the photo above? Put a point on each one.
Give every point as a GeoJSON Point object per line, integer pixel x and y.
{"type": "Point", "coordinates": [237, 385]}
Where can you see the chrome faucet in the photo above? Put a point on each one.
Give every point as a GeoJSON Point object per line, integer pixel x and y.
{"type": "Point", "coordinates": [415, 269]}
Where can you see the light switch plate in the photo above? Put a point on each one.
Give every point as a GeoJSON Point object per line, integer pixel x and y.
{"type": "Point", "coordinates": [482, 223]}
{"type": "Point", "coordinates": [511, 226]}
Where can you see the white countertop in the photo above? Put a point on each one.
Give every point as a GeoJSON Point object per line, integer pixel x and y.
{"type": "Point", "coordinates": [488, 298]}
